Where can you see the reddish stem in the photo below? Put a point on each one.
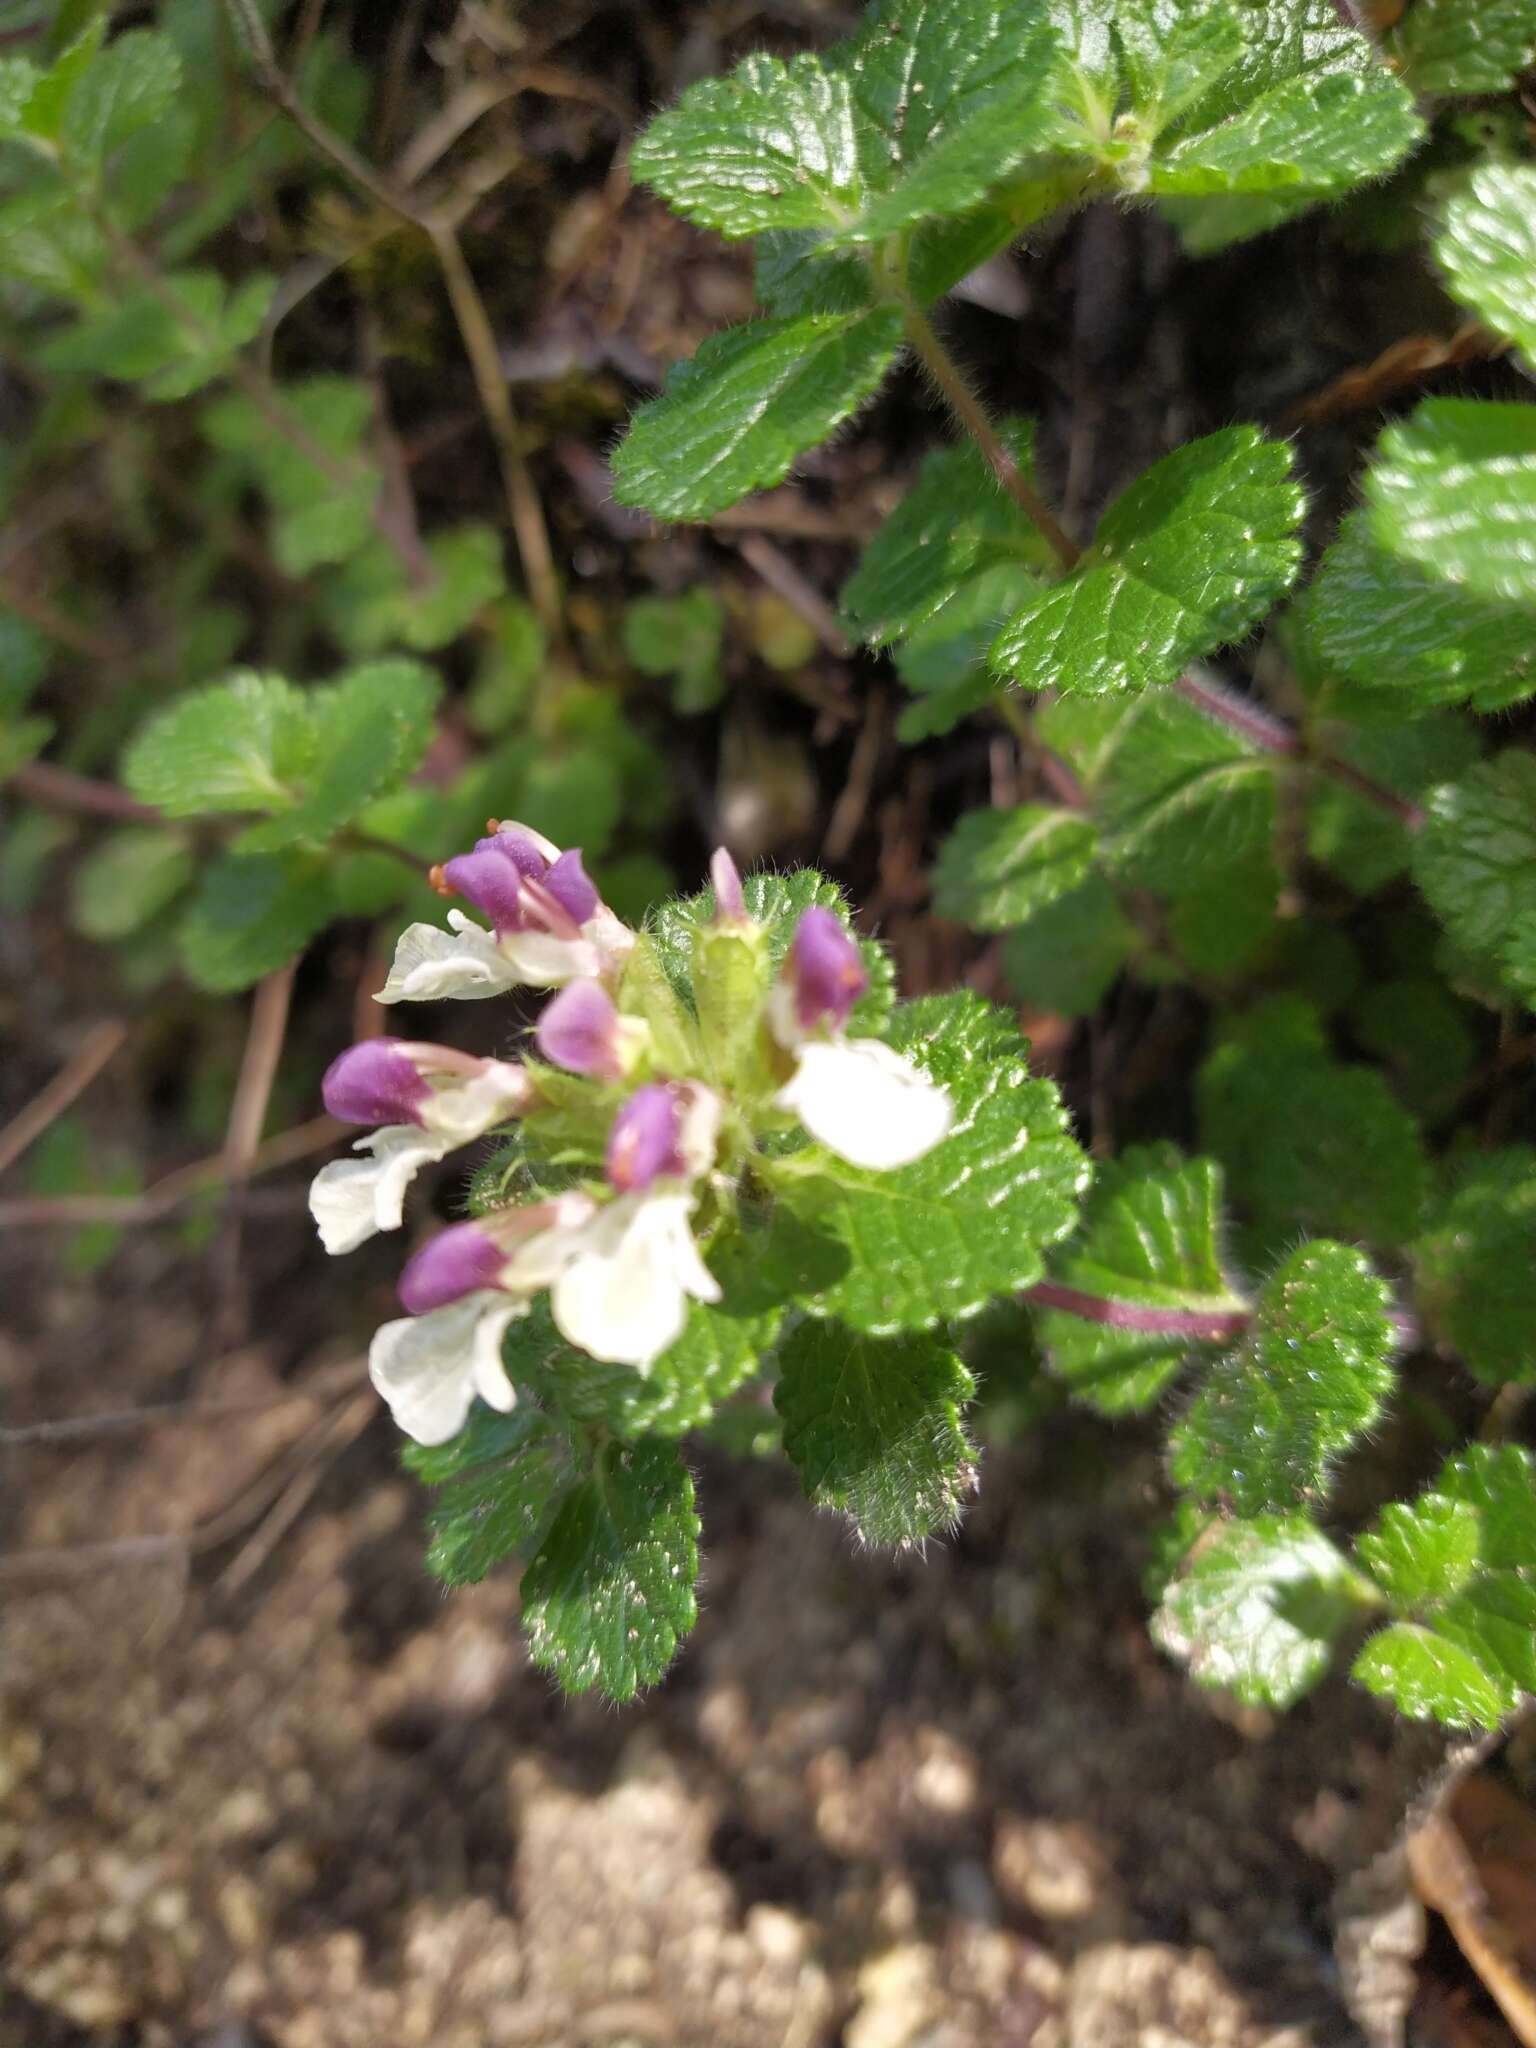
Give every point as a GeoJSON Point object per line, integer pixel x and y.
{"type": "Point", "coordinates": [1213, 1325]}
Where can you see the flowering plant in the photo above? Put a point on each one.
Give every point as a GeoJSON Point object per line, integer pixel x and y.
{"type": "Point", "coordinates": [728, 1155]}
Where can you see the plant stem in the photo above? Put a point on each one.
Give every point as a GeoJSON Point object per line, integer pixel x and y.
{"type": "Point", "coordinates": [1261, 728]}
{"type": "Point", "coordinates": [1217, 1326]}
{"type": "Point", "coordinates": [469, 311]}
{"type": "Point", "coordinates": [968, 410]}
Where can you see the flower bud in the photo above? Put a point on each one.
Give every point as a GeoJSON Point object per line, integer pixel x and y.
{"type": "Point", "coordinates": [460, 1260]}
{"type": "Point", "coordinates": [582, 1031]}
{"type": "Point", "coordinates": [825, 970]}
{"type": "Point", "coordinates": [376, 1082]}
{"type": "Point", "coordinates": [730, 904]}
{"type": "Point", "coordinates": [644, 1142]}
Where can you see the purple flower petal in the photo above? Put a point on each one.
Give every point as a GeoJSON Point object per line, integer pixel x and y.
{"type": "Point", "coordinates": [491, 879]}
{"type": "Point", "coordinates": [579, 1030]}
{"type": "Point", "coordinates": [826, 969]}
{"type": "Point", "coordinates": [567, 882]}
{"type": "Point", "coordinates": [730, 904]}
{"type": "Point", "coordinates": [374, 1083]}
{"type": "Point", "coordinates": [460, 1260]}
{"type": "Point", "coordinates": [644, 1140]}
{"type": "Point", "coordinates": [518, 848]}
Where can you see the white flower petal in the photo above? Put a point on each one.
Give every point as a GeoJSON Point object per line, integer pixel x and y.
{"type": "Point", "coordinates": [866, 1103]}
{"type": "Point", "coordinates": [431, 964]}
{"type": "Point", "coordinates": [624, 1297]}
{"type": "Point", "coordinates": [429, 1368]}
{"type": "Point", "coordinates": [541, 960]}
{"type": "Point", "coordinates": [464, 1110]}
{"type": "Point", "coordinates": [352, 1198]}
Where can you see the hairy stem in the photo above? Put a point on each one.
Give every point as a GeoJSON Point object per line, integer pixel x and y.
{"type": "Point", "coordinates": [1218, 1326]}
{"type": "Point", "coordinates": [1270, 734]}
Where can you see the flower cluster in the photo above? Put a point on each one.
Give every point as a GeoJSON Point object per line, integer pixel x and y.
{"type": "Point", "coordinates": [669, 1132]}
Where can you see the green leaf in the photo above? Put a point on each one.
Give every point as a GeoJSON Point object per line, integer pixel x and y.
{"type": "Point", "coordinates": [502, 1477]}
{"type": "Point", "coordinates": [771, 146]}
{"type": "Point", "coordinates": [1171, 56]}
{"type": "Point", "coordinates": [1189, 558]}
{"type": "Point", "coordinates": [1148, 1241]}
{"type": "Point", "coordinates": [1365, 844]}
{"type": "Point", "coordinates": [1475, 859]}
{"type": "Point", "coordinates": [1067, 957]}
{"type": "Point", "coordinates": [682, 637]}
{"type": "Point", "coordinates": [1453, 487]}
{"type": "Point", "coordinates": [127, 880]}
{"type": "Point", "coordinates": [1283, 40]}
{"type": "Point", "coordinates": [1428, 1678]}
{"type": "Point", "coordinates": [1465, 46]}
{"type": "Point", "coordinates": [128, 85]}
{"type": "Point", "coordinates": [1310, 1143]}
{"type": "Point", "coordinates": [141, 339]}
{"type": "Point", "coordinates": [244, 745]}
{"type": "Point", "coordinates": [1475, 1279]}
{"type": "Point", "coordinates": [610, 1590]}
{"type": "Point", "coordinates": [874, 1427]}
{"type": "Point", "coordinates": [998, 867]}
{"type": "Point", "coordinates": [1307, 1380]}
{"type": "Point", "coordinates": [324, 513]}
{"type": "Point", "coordinates": [951, 527]}
{"type": "Point", "coordinates": [369, 731]}
{"type": "Point", "coordinates": [1258, 1607]}
{"type": "Point", "coordinates": [1422, 1031]}
{"type": "Point", "coordinates": [249, 917]}
{"type": "Point", "coordinates": [1425, 1552]}
{"type": "Point", "coordinates": [735, 416]}
{"type": "Point", "coordinates": [1321, 135]}
{"type": "Point", "coordinates": [937, 1240]}
{"type": "Point", "coordinates": [1397, 627]}
{"type": "Point", "coordinates": [949, 92]}
{"type": "Point", "coordinates": [1455, 1566]}
{"type": "Point", "coordinates": [1487, 247]}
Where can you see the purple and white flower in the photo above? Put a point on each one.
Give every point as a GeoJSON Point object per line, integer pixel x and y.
{"type": "Point", "coordinates": [860, 1099]}
{"type": "Point", "coordinates": [548, 925]}
{"type": "Point", "coordinates": [429, 1100]}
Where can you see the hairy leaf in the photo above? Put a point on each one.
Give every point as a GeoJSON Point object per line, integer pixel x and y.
{"type": "Point", "coordinates": [1487, 246]}
{"type": "Point", "coordinates": [1187, 559]}
{"type": "Point", "coordinates": [937, 1240]}
{"type": "Point", "coordinates": [1148, 1241]}
{"type": "Point", "coordinates": [249, 917]}
{"type": "Point", "coordinates": [1068, 954]}
{"type": "Point", "coordinates": [733, 418]}
{"type": "Point", "coordinates": [1396, 626]}
{"type": "Point", "coordinates": [998, 867]}
{"type": "Point", "coordinates": [1310, 1143]}
{"type": "Point", "coordinates": [129, 879]}
{"type": "Point", "coordinates": [369, 731]}
{"type": "Point", "coordinates": [1475, 860]}
{"type": "Point", "coordinates": [244, 745]}
{"type": "Point", "coordinates": [1453, 487]}
{"type": "Point", "coordinates": [955, 524]}
{"type": "Point", "coordinates": [1455, 1566]}
{"type": "Point", "coordinates": [1465, 46]}
{"type": "Point", "coordinates": [1307, 1380]}
{"type": "Point", "coordinates": [610, 1590]}
{"type": "Point", "coordinates": [1258, 1606]}
{"type": "Point", "coordinates": [1320, 135]}
{"type": "Point", "coordinates": [873, 1426]}
{"type": "Point", "coordinates": [502, 1477]}
{"type": "Point", "coordinates": [1476, 1280]}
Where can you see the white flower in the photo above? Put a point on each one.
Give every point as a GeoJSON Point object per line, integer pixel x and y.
{"type": "Point", "coordinates": [430, 963]}
{"type": "Point", "coordinates": [430, 1368]}
{"type": "Point", "coordinates": [352, 1198]}
{"type": "Point", "coordinates": [464, 1110]}
{"type": "Point", "coordinates": [866, 1103]}
{"type": "Point", "coordinates": [623, 1296]}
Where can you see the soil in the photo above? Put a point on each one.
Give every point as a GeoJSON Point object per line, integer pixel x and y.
{"type": "Point", "coordinates": [266, 1787]}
